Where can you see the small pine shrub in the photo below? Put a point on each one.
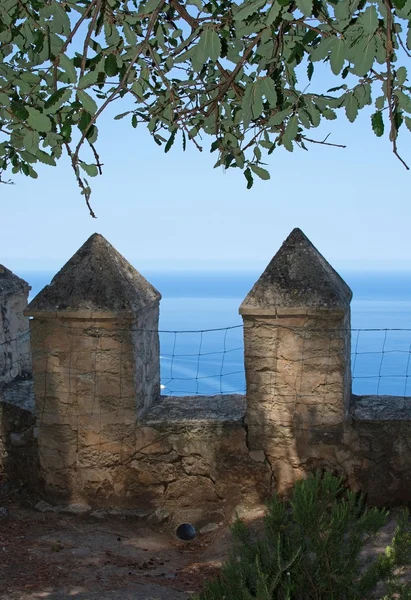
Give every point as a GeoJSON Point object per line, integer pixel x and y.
{"type": "Point", "coordinates": [310, 550]}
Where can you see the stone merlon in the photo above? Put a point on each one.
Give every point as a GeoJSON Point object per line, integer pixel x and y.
{"type": "Point", "coordinates": [298, 277]}
{"type": "Point", "coordinates": [96, 279]}
{"type": "Point", "coordinates": [10, 283]}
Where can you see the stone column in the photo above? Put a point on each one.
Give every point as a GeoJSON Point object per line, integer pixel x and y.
{"type": "Point", "coordinates": [95, 346]}
{"type": "Point", "coordinates": [15, 360]}
{"type": "Point", "coordinates": [297, 361]}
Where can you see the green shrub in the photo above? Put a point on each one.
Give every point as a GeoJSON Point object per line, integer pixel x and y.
{"type": "Point", "coordinates": [310, 548]}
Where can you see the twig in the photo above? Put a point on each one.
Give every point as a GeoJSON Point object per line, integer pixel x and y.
{"type": "Point", "coordinates": [403, 46]}
{"type": "Point", "coordinates": [323, 142]}
{"type": "Point", "coordinates": [96, 158]}
{"type": "Point", "coordinates": [394, 130]}
{"type": "Point", "coordinates": [88, 36]}
{"type": "Point", "coordinates": [123, 81]}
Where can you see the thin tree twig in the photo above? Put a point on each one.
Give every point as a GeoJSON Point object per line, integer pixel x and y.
{"type": "Point", "coordinates": [403, 46]}
{"type": "Point", "coordinates": [123, 81]}
{"type": "Point", "coordinates": [394, 130]}
{"type": "Point", "coordinates": [323, 142]}
{"type": "Point", "coordinates": [88, 36]}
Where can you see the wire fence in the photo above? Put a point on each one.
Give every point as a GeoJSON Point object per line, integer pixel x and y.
{"type": "Point", "coordinates": [211, 362]}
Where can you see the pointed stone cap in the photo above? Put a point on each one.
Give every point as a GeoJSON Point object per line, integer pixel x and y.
{"type": "Point", "coordinates": [11, 284]}
{"type": "Point", "coordinates": [298, 277]}
{"type": "Point", "coordinates": [96, 282]}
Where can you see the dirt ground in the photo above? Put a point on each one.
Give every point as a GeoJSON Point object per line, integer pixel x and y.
{"type": "Point", "coordinates": [62, 557]}
{"type": "Point", "coordinates": [54, 557]}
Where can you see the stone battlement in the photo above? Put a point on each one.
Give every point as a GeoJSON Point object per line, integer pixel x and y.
{"type": "Point", "coordinates": [100, 434]}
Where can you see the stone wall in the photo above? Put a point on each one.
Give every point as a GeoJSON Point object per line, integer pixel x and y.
{"type": "Point", "coordinates": [187, 458]}
{"type": "Point", "coordinates": [104, 438]}
{"type": "Point", "coordinates": [15, 361]}
{"type": "Point", "coordinates": [378, 448]}
{"type": "Point", "coordinates": [18, 444]}
{"type": "Point", "coordinates": [147, 358]}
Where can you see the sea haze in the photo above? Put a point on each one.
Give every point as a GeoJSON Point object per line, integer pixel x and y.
{"type": "Point", "coordinates": [197, 361]}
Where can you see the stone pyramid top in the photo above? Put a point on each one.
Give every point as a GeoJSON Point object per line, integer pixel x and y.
{"type": "Point", "coordinates": [97, 279]}
{"type": "Point", "coordinates": [10, 283]}
{"type": "Point", "coordinates": [298, 277]}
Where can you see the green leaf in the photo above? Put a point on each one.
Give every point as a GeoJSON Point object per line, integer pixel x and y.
{"type": "Point", "coordinates": [209, 47]}
{"type": "Point", "coordinates": [329, 114]}
{"type": "Point", "coordinates": [247, 106]}
{"type": "Point", "coordinates": [377, 123]}
{"type": "Point", "coordinates": [257, 102]}
{"type": "Point", "coordinates": [351, 107]}
{"type": "Point", "coordinates": [91, 170]}
{"type": "Point", "coordinates": [121, 115]}
{"type": "Point", "coordinates": [137, 88]}
{"type": "Point", "coordinates": [267, 89]}
{"type": "Point", "coordinates": [401, 75]}
{"type": "Point", "coordinates": [248, 8]}
{"type": "Point", "coordinates": [314, 113]}
{"type": "Point", "coordinates": [291, 130]}
{"type": "Point", "coordinates": [273, 13]}
{"type": "Point", "coordinates": [150, 6]}
{"type": "Point", "coordinates": [364, 57]}
{"type": "Point", "coordinates": [196, 3]}
{"type": "Point", "coordinates": [369, 19]}
{"type": "Point", "coordinates": [61, 21]}
{"type": "Point", "coordinates": [88, 80]}
{"type": "Point", "coordinates": [310, 70]}
{"type": "Point", "coordinates": [407, 121]}
{"type": "Point", "coordinates": [129, 34]}
{"type": "Point", "coordinates": [380, 102]}
{"type": "Point", "coordinates": [305, 6]}
{"type": "Point", "coordinates": [403, 100]}
{"type": "Point", "coordinates": [57, 100]}
{"type": "Point", "coordinates": [170, 142]}
{"type": "Point", "coordinates": [87, 101]}
{"type": "Point", "coordinates": [45, 158]}
{"type": "Point", "coordinates": [337, 56]}
{"type": "Point", "coordinates": [110, 65]}
{"type": "Point", "coordinates": [19, 110]}
{"type": "Point", "coordinates": [342, 10]}
{"type": "Point", "coordinates": [31, 140]}
{"type": "Point", "coordinates": [249, 177]}
{"type": "Point", "coordinates": [68, 67]}
{"type": "Point", "coordinates": [262, 173]}
{"type": "Point", "coordinates": [280, 117]}
{"type": "Point", "coordinates": [84, 121]}
{"type": "Point", "coordinates": [323, 48]}
{"type": "Point", "coordinates": [37, 120]}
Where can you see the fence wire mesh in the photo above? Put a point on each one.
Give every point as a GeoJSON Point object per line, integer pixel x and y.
{"type": "Point", "coordinates": [211, 361]}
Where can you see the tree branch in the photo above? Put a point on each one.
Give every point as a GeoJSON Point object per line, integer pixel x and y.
{"type": "Point", "coordinates": [389, 50]}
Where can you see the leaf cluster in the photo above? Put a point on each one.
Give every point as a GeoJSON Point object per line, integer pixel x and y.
{"type": "Point", "coordinates": [243, 76]}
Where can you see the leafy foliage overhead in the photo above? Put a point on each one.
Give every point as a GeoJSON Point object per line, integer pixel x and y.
{"type": "Point", "coordinates": [193, 67]}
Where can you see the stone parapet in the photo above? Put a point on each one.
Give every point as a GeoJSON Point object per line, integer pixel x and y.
{"type": "Point", "coordinates": [297, 360]}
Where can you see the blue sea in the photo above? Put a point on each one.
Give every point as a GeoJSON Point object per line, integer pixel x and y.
{"type": "Point", "coordinates": [201, 334]}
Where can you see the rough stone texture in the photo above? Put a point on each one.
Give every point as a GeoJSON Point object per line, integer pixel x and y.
{"type": "Point", "coordinates": [378, 448]}
{"type": "Point", "coordinates": [297, 361]}
{"type": "Point", "coordinates": [95, 347]}
{"type": "Point", "coordinates": [15, 359]}
{"type": "Point", "coordinates": [96, 278]}
{"type": "Point", "coordinates": [108, 441]}
{"type": "Point", "coordinates": [187, 460]}
{"type": "Point", "coordinates": [298, 277]}
{"type": "Point", "coordinates": [18, 446]}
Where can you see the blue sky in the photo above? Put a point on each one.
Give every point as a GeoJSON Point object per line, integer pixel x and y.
{"type": "Point", "coordinates": [167, 211]}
